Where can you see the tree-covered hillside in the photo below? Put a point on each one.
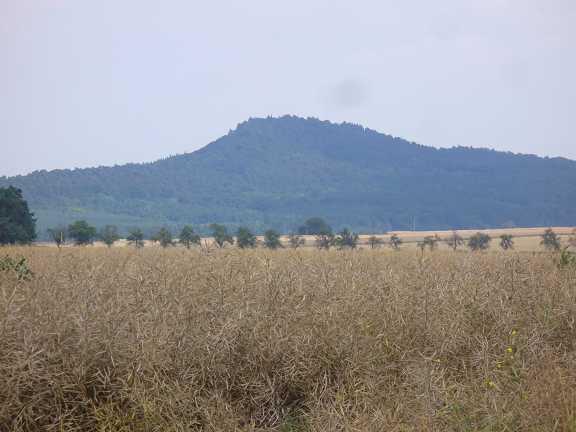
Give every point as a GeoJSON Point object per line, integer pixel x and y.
{"type": "Point", "coordinates": [275, 172]}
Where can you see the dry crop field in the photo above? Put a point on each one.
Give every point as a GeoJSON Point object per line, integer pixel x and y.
{"type": "Point", "coordinates": [157, 339]}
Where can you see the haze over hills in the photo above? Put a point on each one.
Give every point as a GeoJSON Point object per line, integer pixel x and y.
{"type": "Point", "coordinates": [275, 172]}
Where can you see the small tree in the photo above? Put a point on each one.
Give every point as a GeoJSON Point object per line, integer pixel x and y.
{"type": "Point", "coordinates": [136, 238]}
{"type": "Point", "coordinates": [324, 240]}
{"type": "Point", "coordinates": [455, 240]}
{"type": "Point", "coordinates": [346, 239]}
{"type": "Point", "coordinates": [395, 242]}
{"type": "Point", "coordinates": [188, 237]}
{"type": "Point", "coordinates": [295, 240]}
{"type": "Point", "coordinates": [245, 238]}
{"type": "Point", "coordinates": [272, 239]}
{"type": "Point", "coordinates": [374, 242]}
{"type": "Point", "coordinates": [109, 235]}
{"type": "Point", "coordinates": [164, 237]}
{"type": "Point", "coordinates": [58, 235]}
{"type": "Point", "coordinates": [550, 240]}
{"type": "Point", "coordinates": [479, 241]}
{"type": "Point", "coordinates": [82, 233]}
{"type": "Point", "coordinates": [506, 242]}
{"type": "Point", "coordinates": [429, 241]}
{"type": "Point", "coordinates": [220, 235]}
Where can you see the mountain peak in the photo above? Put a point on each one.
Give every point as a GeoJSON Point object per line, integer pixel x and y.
{"type": "Point", "coordinates": [292, 122]}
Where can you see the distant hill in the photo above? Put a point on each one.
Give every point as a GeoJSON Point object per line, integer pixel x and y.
{"type": "Point", "coordinates": [275, 172]}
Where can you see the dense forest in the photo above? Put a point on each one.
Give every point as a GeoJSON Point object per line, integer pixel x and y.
{"type": "Point", "coordinates": [276, 172]}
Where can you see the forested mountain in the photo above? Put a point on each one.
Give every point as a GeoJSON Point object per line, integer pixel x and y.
{"type": "Point", "coordinates": [275, 172]}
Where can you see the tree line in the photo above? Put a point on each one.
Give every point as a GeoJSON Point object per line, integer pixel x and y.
{"type": "Point", "coordinates": [17, 226]}
{"type": "Point", "coordinates": [81, 233]}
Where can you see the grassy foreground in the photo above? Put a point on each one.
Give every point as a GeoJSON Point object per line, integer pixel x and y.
{"type": "Point", "coordinates": [179, 340]}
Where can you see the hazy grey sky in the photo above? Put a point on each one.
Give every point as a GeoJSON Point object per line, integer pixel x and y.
{"type": "Point", "coordinates": [86, 83]}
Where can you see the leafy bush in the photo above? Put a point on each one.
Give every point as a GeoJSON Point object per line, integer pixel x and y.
{"type": "Point", "coordinates": [17, 267]}
{"type": "Point", "coordinates": [566, 258]}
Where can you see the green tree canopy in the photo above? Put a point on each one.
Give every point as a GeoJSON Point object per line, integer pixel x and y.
{"type": "Point", "coordinates": [109, 235]}
{"type": "Point", "coordinates": [245, 238]}
{"type": "Point", "coordinates": [164, 237]}
{"type": "Point", "coordinates": [272, 239]}
{"type": "Point", "coordinates": [136, 238]}
{"type": "Point", "coordinates": [221, 235]}
{"type": "Point", "coordinates": [82, 232]}
{"type": "Point", "coordinates": [188, 237]}
{"type": "Point", "coordinates": [17, 223]}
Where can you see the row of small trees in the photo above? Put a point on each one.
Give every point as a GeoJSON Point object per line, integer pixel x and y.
{"type": "Point", "coordinates": [82, 233]}
{"type": "Point", "coordinates": [481, 241]}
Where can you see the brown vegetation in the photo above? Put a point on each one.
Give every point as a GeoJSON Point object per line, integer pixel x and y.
{"type": "Point", "coordinates": [287, 340]}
